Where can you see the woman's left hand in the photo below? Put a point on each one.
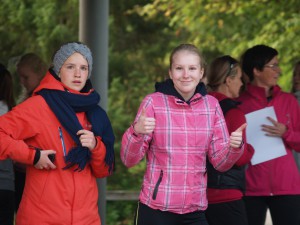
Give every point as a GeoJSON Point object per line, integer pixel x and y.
{"type": "Point", "coordinates": [236, 137]}
{"type": "Point", "coordinates": [87, 139]}
{"type": "Point", "coordinates": [277, 130]}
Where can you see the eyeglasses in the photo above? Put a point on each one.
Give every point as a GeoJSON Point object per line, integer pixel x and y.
{"type": "Point", "coordinates": [273, 66]}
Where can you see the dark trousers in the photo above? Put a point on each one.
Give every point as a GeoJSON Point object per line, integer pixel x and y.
{"type": "Point", "coordinates": [227, 213]}
{"type": "Point", "coordinates": [148, 216]}
{"type": "Point", "coordinates": [7, 207]}
{"type": "Point", "coordinates": [284, 209]}
{"type": "Point", "coordinates": [19, 187]}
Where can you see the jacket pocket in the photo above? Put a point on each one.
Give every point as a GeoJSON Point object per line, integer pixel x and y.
{"type": "Point", "coordinates": [157, 185]}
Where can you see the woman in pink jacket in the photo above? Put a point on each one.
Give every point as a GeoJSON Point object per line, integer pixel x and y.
{"type": "Point", "coordinates": [274, 184]}
{"type": "Point", "coordinates": [66, 141]}
{"type": "Point", "coordinates": [176, 128]}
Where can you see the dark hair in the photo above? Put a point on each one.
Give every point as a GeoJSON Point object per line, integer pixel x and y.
{"type": "Point", "coordinates": [6, 87]}
{"type": "Point", "coordinates": [256, 58]}
{"type": "Point", "coordinates": [296, 68]}
{"type": "Point", "coordinates": [221, 68]}
{"type": "Point", "coordinates": [187, 47]}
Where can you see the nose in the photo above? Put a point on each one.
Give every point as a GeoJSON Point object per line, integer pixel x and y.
{"type": "Point", "coordinates": [185, 73]}
{"type": "Point", "coordinates": [77, 72]}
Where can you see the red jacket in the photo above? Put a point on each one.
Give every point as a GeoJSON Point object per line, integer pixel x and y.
{"type": "Point", "coordinates": [279, 176]}
{"type": "Point", "coordinates": [234, 119]}
{"type": "Point", "coordinates": [56, 196]}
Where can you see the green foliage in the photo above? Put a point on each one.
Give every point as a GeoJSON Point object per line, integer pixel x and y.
{"type": "Point", "coordinates": [36, 26]}
{"type": "Point", "coordinates": [230, 27]}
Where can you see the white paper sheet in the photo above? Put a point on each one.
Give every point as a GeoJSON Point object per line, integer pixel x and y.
{"type": "Point", "coordinates": [266, 148]}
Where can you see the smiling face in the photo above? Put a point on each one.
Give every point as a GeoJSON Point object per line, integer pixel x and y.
{"type": "Point", "coordinates": [186, 72]}
{"type": "Point", "coordinates": [74, 72]}
{"type": "Point", "coordinates": [268, 76]}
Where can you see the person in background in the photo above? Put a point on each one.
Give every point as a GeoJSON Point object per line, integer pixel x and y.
{"type": "Point", "coordinates": [31, 69]}
{"type": "Point", "coordinates": [176, 128]}
{"type": "Point", "coordinates": [274, 184]}
{"type": "Point", "coordinates": [225, 190]}
{"type": "Point", "coordinates": [66, 141]}
{"type": "Point", "coordinates": [7, 186]}
{"type": "Point", "coordinates": [296, 92]}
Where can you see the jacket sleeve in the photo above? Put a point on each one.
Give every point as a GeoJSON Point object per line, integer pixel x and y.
{"type": "Point", "coordinates": [234, 119]}
{"type": "Point", "coordinates": [134, 146]}
{"type": "Point", "coordinates": [15, 126]}
{"type": "Point", "coordinates": [98, 165]}
{"type": "Point", "coordinates": [291, 136]}
{"type": "Point", "coordinates": [220, 154]}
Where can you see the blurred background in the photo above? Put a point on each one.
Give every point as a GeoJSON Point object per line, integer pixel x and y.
{"type": "Point", "coordinates": [142, 34]}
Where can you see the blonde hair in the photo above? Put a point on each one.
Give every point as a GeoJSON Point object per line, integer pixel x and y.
{"type": "Point", "coordinates": [187, 47]}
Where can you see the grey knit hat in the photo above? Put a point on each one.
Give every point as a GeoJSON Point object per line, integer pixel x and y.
{"type": "Point", "coordinates": [67, 50]}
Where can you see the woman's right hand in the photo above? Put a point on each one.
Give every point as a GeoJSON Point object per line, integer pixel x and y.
{"type": "Point", "coordinates": [144, 125]}
{"type": "Point", "coordinates": [44, 161]}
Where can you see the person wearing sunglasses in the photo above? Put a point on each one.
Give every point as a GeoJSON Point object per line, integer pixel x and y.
{"type": "Point", "coordinates": [225, 189]}
{"type": "Point", "coordinates": [274, 184]}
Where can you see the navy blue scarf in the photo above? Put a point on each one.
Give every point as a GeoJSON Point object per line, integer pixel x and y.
{"type": "Point", "coordinates": [65, 105]}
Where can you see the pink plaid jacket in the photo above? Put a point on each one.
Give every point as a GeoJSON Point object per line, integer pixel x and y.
{"type": "Point", "coordinates": [175, 177]}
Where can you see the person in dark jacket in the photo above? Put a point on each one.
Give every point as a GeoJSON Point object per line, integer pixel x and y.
{"type": "Point", "coordinates": [225, 190]}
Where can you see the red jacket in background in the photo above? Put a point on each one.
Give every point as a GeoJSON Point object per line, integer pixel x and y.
{"type": "Point", "coordinates": [278, 176]}
{"type": "Point", "coordinates": [234, 119]}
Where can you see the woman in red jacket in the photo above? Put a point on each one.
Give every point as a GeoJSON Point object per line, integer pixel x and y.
{"type": "Point", "coordinates": [66, 141]}
{"type": "Point", "coordinates": [274, 184]}
{"type": "Point", "coordinates": [225, 190]}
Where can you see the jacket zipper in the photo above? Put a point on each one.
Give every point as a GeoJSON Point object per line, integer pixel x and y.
{"type": "Point", "coordinates": [62, 141]}
{"type": "Point", "coordinates": [157, 185]}
{"type": "Point", "coordinates": [65, 153]}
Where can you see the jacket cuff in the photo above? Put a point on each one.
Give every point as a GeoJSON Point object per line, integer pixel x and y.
{"type": "Point", "coordinates": [37, 156]}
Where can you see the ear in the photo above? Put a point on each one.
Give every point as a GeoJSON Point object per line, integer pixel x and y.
{"type": "Point", "coordinates": [256, 72]}
{"type": "Point", "coordinates": [170, 74]}
{"type": "Point", "coordinates": [201, 73]}
{"type": "Point", "coordinates": [228, 80]}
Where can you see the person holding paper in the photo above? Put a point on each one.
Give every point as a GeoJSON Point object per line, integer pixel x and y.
{"type": "Point", "coordinates": [225, 189]}
{"type": "Point", "coordinates": [273, 184]}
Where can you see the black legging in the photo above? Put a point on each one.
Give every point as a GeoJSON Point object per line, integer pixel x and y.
{"type": "Point", "coordinates": [148, 216]}
{"type": "Point", "coordinates": [227, 213]}
{"type": "Point", "coordinates": [284, 209]}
